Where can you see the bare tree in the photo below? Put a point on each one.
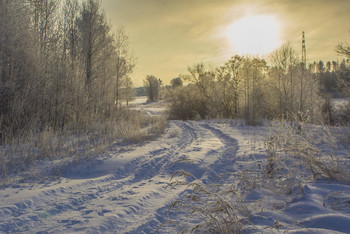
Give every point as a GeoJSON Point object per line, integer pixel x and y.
{"type": "Point", "coordinates": [124, 63]}
{"type": "Point", "coordinates": [253, 74]}
{"type": "Point", "coordinates": [176, 82]}
{"type": "Point", "coordinates": [57, 65]}
{"type": "Point", "coordinates": [293, 86]}
{"type": "Point", "coordinates": [285, 63]}
{"type": "Point", "coordinates": [45, 21]}
{"type": "Point", "coordinates": [70, 31]}
{"type": "Point", "coordinates": [152, 85]}
{"type": "Point", "coordinates": [90, 30]}
{"type": "Point", "coordinates": [229, 80]}
{"type": "Point", "coordinates": [202, 78]}
{"type": "Point", "coordinates": [127, 93]}
{"type": "Point", "coordinates": [18, 66]}
{"type": "Point", "coordinates": [96, 53]}
{"type": "Point", "coordinates": [343, 50]}
{"type": "Point", "coordinates": [343, 70]}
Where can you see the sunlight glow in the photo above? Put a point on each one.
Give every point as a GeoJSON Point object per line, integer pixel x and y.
{"type": "Point", "coordinates": [254, 35]}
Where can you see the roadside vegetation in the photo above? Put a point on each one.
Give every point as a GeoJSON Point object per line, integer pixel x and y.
{"type": "Point", "coordinates": [237, 202]}
{"type": "Point", "coordinates": [65, 79]}
{"type": "Point", "coordinates": [296, 99]}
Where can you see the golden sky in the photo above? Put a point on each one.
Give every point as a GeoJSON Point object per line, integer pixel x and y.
{"type": "Point", "coordinates": [167, 36]}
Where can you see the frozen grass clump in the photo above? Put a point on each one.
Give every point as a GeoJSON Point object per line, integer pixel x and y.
{"type": "Point", "coordinates": [305, 152]}
{"type": "Point", "coordinates": [19, 154]}
{"type": "Point", "coordinates": [217, 207]}
{"type": "Point", "coordinates": [296, 154]}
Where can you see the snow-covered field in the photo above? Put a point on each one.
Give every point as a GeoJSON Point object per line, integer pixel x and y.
{"type": "Point", "coordinates": [124, 191]}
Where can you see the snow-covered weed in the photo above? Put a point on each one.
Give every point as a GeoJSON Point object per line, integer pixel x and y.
{"type": "Point", "coordinates": [157, 126]}
{"type": "Point", "coordinates": [128, 131]}
{"type": "Point", "coordinates": [218, 207]}
{"type": "Point", "coordinates": [18, 155]}
{"type": "Point", "coordinates": [342, 114]}
{"type": "Point", "coordinates": [140, 127]}
{"type": "Point", "coordinates": [305, 152]}
{"type": "Point", "coordinates": [47, 142]}
{"type": "Point", "coordinates": [296, 154]}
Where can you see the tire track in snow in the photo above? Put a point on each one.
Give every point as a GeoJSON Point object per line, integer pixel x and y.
{"type": "Point", "coordinates": [154, 161]}
{"type": "Point", "coordinates": [135, 191]}
{"type": "Point", "coordinates": [226, 161]}
{"type": "Point", "coordinates": [56, 203]}
{"type": "Point", "coordinates": [158, 168]}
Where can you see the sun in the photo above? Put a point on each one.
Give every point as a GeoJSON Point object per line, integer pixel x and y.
{"type": "Point", "coordinates": [254, 35]}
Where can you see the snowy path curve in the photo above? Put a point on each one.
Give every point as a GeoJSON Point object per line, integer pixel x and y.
{"type": "Point", "coordinates": [122, 193]}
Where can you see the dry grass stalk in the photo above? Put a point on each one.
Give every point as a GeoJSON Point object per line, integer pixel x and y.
{"type": "Point", "coordinates": [295, 155]}
{"type": "Point", "coordinates": [307, 147]}
{"type": "Point", "coordinates": [18, 154]}
{"type": "Point", "coordinates": [219, 206]}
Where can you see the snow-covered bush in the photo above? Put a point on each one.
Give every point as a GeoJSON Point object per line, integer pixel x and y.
{"type": "Point", "coordinates": [186, 103]}
{"type": "Point", "coordinates": [342, 114]}
{"type": "Point", "coordinates": [304, 152]}
{"type": "Point", "coordinates": [218, 207]}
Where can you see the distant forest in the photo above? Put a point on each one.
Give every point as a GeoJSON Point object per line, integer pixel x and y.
{"type": "Point", "coordinates": [252, 88]}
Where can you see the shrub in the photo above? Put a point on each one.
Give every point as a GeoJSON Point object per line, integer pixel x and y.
{"type": "Point", "coordinates": [218, 207]}
{"type": "Point", "coordinates": [328, 111]}
{"type": "Point", "coordinates": [342, 114]}
{"type": "Point", "coordinates": [187, 104]}
{"type": "Point", "coordinates": [304, 152]}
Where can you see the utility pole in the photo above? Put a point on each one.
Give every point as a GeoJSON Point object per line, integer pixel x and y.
{"type": "Point", "coordinates": [303, 53]}
{"type": "Point", "coordinates": [303, 68]}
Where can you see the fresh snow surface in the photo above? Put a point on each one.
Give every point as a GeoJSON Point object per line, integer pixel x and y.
{"type": "Point", "coordinates": [124, 191]}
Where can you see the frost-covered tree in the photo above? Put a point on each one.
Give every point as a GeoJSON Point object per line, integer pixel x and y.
{"type": "Point", "coordinates": [71, 9]}
{"type": "Point", "coordinates": [57, 65]}
{"type": "Point", "coordinates": [293, 89]}
{"type": "Point", "coordinates": [253, 74]}
{"type": "Point", "coordinates": [97, 51]}
{"type": "Point", "coordinates": [124, 64]}
{"type": "Point", "coordinates": [18, 66]}
{"type": "Point", "coordinates": [229, 82]}
{"type": "Point", "coordinates": [343, 49]}
{"type": "Point", "coordinates": [127, 92]}
{"type": "Point", "coordinates": [176, 82]}
{"type": "Point", "coordinates": [284, 65]}
{"type": "Point", "coordinates": [152, 85]}
{"type": "Point", "coordinates": [344, 68]}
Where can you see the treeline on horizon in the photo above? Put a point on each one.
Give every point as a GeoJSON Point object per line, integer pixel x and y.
{"type": "Point", "coordinates": [61, 66]}
{"type": "Point", "coordinates": [253, 89]}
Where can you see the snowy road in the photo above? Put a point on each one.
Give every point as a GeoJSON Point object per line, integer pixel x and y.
{"type": "Point", "coordinates": [122, 192]}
